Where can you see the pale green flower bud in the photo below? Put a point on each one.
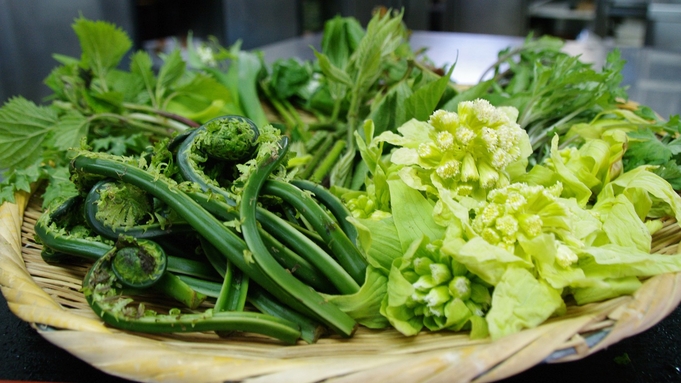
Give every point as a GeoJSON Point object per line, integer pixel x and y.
{"type": "Point", "coordinates": [469, 172]}
{"type": "Point", "coordinates": [440, 273]}
{"type": "Point", "coordinates": [422, 265]}
{"type": "Point", "coordinates": [437, 296]}
{"type": "Point", "coordinates": [424, 283]}
{"type": "Point", "coordinates": [460, 287]}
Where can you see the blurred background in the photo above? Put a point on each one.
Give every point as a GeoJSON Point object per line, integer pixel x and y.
{"type": "Point", "coordinates": [31, 30]}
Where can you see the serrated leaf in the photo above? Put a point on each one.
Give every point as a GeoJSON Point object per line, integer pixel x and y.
{"type": "Point", "coordinates": [24, 126]}
{"type": "Point", "coordinates": [102, 43]}
{"type": "Point", "coordinates": [421, 104]}
{"type": "Point", "coordinates": [645, 148]}
{"type": "Point", "coordinates": [59, 187]}
{"type": "Point", "coordinates": [172, 69]}
{"type": "Point", "coordinates": [18, 179]}
{"type": "Point", "coordinates": [671, 173]}
{"type": "Point", "coordinates": [331, 71]}
{"type": "Point", "coordinates": [70, 129]}
{"type": "Point", "coordinates": [141, 67]}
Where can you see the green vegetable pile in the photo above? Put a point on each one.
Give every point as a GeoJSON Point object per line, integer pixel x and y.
{"type": "Point", "coordinates": [374, 192]}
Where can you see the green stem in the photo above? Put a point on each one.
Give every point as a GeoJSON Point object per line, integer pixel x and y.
{"type": "Point", "coordinates": [329, 313]}
{"type": "Point", "coordinates": [345, 251]}
{"type": "Point", "coordinates": [317, 157]}
{"type": "Point", "coordinates": [294, 293]}
{"type": "Point", "coordinates": [329, 161]}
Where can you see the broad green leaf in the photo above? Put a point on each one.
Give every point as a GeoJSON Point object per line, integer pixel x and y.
{"type": "Point", "coordinates": [483, 259]}
{"type": "Point", "coordinates": [24, 126]}
{"type": "Point", "coordinates": [421, 104]}
{"type": "Point", "coordinates": [613, 261]}
{"type": "Point", "coordinates": [521, 301]}
{"type": "Point", "coordinates": [602, 289]}
{"type": "Point", "coordinates": [70, 129]}
{"type": "Point", "coordinates": [413, 214]}
{"type": "Point", "coordinates": [364, 306]}
{"type": "Point", "coordinates": [377, 239]}
{"type": "Point", "coordinates": [644, 148]}
{"type": "Point", "coordinates": [103, 44]}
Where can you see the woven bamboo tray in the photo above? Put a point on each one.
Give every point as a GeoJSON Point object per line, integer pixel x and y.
{"type": "Point", "coordinates": [48, 297]}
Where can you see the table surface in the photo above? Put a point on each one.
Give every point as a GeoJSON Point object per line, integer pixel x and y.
{"type": "Point", "coordinates": [651, 356]}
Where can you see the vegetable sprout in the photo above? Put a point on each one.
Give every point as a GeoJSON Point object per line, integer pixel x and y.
{"type": "Point", "coordinates": [465, 151]}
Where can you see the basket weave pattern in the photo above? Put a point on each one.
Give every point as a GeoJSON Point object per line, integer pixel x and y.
{"type": "Point", "coordinates": [48, 297]}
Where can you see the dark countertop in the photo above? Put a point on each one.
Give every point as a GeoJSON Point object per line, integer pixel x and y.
{"type": "Point", "coordinates": [652, 356]}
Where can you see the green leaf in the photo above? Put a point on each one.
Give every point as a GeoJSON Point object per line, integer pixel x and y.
{"type": "Point", "coordinates": [172, 69]}
{"type": "Point", "coordinates": [70, 129]}
{"type": "Point", "coordinates": [470, 94]}
{"type": "Point", "coordinates": [377, 239]}
{"type": "Point", "coordinates": [413, 214]}
{"type": "Point", "coordinates": [421, 104]}
{"type": "Point", "coordinates": [364, 305]}
{"type": "Point", "coordinates": [19, 180]}
{"type": "Point", "coordinates": [331, 71]}
{"type": "Point", "coordinates": [141, 67]}
{"type": "Point", "coordinates": [24, 126]}
{"type": "Point", "coordinates": [103, 44]}
{"type": "Point", "coordinates": [249, 68]}
{"type": "Point", "coordinates": [671, 172]}
{"type": "Point", "coordinates": [389, 112]}
{"type": "Point", "coordinates": [645, 149]}
{"type": "Point", "coordinates": [340, 39]}
{"type": "Point", "coordinates": [59, 187]}
{"type": "Point", "coordinates": [520, 301]}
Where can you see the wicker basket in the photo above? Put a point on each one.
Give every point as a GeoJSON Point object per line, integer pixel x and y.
{"type": "Point", "coordinates": [48, 297]}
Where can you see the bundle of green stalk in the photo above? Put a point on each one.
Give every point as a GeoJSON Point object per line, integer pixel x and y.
{"type": "Point", "coordinates": [209, 214]}
{"type": "Point", "coordinates": [487, 210]}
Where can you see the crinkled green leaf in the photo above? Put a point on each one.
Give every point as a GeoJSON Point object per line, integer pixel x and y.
{"type": "Point", "coordinates": [623, 226]}
{"type": "Point", "coordinates": [483, 259]}
{"type": "Point", "coordinates": [393, 306]}
{"type": "Point", "coordinates": [613, 261]}
{"type": "Point", "coordinates": [520, 301]}
{"type": "Point", "coordinates": [602, 289]}
{"type": "Point", "coordinates": [665, 200]}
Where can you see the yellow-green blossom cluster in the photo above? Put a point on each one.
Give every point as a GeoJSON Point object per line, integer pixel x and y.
{"type": "Point", "coordinates": [463, 150]}
{"type": "Point", "coordinates": [523, 210]}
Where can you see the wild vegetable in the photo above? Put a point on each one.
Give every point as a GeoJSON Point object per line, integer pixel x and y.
{"type": "Point", "coordinates": [536, 241]}
{"type": "Point", "coordinates": [242, 262]}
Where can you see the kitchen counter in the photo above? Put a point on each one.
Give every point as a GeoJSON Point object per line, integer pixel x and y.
{"type": "Point", "coordinates": [651, 356]}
